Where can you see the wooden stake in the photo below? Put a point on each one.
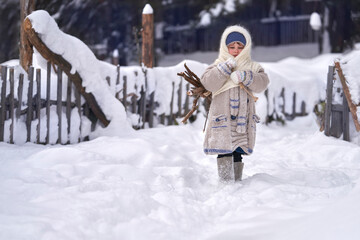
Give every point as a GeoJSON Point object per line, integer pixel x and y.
{"type": "Point", "coordinates": [25, 47]}
{"type": "Point", "coordinates": [352, 106]}
{"type": "Point", "coordinates": [148, 36]}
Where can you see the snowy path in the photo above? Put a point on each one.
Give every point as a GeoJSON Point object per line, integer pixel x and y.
{"type": "Point", "coordinates": [157, 184]}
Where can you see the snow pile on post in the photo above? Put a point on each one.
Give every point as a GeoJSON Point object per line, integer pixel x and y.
{"type": "Point", "coordinates": [87, 65]}
{"type": "Point", "coordinates": [148, 9]}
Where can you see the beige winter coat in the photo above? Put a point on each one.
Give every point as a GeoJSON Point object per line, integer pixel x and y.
{"type": "Point", "coordinates": [222, 135]}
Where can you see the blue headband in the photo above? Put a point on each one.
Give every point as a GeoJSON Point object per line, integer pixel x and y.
{"type": "Point", "coordinates": [235, 37]}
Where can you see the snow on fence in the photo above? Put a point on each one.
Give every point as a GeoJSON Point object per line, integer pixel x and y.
{"type": "Point", "coordinates": [49, 110]}
{"type": "Point", "coordinates": [27, 116]}
{"type": "Point", "coordinates": [151, 97]}
{"type": "Point", "coordinates": [280, 111]}
{"type": "Point", "coordinates": [342, 100]}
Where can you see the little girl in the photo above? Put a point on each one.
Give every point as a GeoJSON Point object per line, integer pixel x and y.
{"type": "Point", "coordinates": [232, 78]}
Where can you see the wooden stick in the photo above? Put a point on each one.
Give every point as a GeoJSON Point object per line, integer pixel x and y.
{"type": "Point", "coordinates": [348, 96]}
{"type": "Point", "coordinates": [193, 109]}
{"type": "Point", "coordinates": [248, 92]}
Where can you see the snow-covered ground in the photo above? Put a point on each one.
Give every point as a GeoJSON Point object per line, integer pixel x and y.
{"type": "Point", "coordinates": [158, 184]}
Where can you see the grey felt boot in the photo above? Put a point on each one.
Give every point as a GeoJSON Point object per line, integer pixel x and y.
{"type": "Point", "coordinates": [238, 169]}
{"type": "Point", "coordinates": [225, 169]}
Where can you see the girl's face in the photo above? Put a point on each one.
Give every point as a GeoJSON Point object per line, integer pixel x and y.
{"type": "Point", "coordinates": [235, 48]}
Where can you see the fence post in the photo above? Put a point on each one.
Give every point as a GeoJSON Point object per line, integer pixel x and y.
{"type": "Point", "coordinates": [48, 87]}
{"type": "Point", "coordinates": [294, 106]}
{"type": "Point", "coordinates": [148, 36]}
{"type": "Point", "coordinates": [29, 116]}
{"type": "Point", "coordinates": [68, 108]}
{"type": "Point", "coordinates": [20, 94]}
{"type": "Point", "coordinates": [78, 105]}
{"type": "Point", "coordinates": [346, 110]}
{"type": "Point", "coordinates": [12, 105]}
{"type": "Point", "coordinates": [25, 47]}
{"type": "Point", "coordinates": [179, 98]}
{"type": "Point", "coordinates": [329, 89]}
{"type": "Point", "coordinates": [125, 93]}
{"type": "Point", "coordinates": [171, 117]}
{"type": "Point", "coordinates": [38, 102]}
{"type": "Point", "coordinates": [59, 103]}
{"type": "Point", "coordinates": [3, 100]}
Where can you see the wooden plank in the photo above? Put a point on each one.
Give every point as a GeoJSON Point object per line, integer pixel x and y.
{"type": "Point", "coordinates": [12, 114]}
{"type": "Point", "coordinates": [303, 108]}
{"type": "Point", "coordinates": [293, 115]}
{"type": "Point", "coordinates": [151, 109]}
{"type": "Point", "coordinates": [171, 117]}
{"type": "Point", "coordinates": [48, 88]}
{"type": "Point", "coordinates": [282, 94]}
{"type": "Point", "coordinates": [117, 80]}
{"type": "Point", "coordinates": [336, 124]}
{"type": "Point", "coordinates": [20, 96]}
{"type": "Point", "coordinates": [187, 99]}
{"type": "Point", "coordinates": [78, 105]}
{"type": "Point", "coordinates": [337, 108]}
{"type": "Point", "coordinates": [124, 101]}
{"type": "Point", "coordinates": [66, 67]}
{"type": "Point", "coordinates": [329, 90]}
{"type": "Point", "coordinates": [142, 107]}
{"type": "Point", "coordinates": [3, 101]}
{"type": "Point", "coordinates": [25, 47]}
{"type": "Point", "coordinates": [347, 94]}
{"type": "Point", "coordinates": [29, 115]}
{"type": "Point", "coordinates": [59, 104]}
{"type": "Point", "coordinates": [346, 133]}
{"type": "Point", "coordinates": [180, 99]}
{"type": "Point", "coordinates": [38, 103]}
{"type": "Point", "coordinates": [134, 101]}
{"type": "Point", "coordinates": [68, 109]}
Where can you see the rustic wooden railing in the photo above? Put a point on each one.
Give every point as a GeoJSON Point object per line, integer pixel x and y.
{"type": "Point", "coordinates": [337, 120]}
{"type": "Point", "coordinates": [21, 109]}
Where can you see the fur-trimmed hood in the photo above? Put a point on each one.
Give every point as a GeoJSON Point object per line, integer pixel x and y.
{"type": "Point", "coordinates": [243, 60]}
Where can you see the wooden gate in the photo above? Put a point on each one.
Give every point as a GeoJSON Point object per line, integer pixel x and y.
{"type": "Point", "coordinates": [336, 115]}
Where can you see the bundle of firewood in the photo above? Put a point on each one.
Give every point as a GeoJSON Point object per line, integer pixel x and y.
{"type": "Point", "coordinates": [196, 91]}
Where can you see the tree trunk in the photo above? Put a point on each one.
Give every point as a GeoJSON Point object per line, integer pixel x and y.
{"type": "Point", "coordinates": [25, 47]}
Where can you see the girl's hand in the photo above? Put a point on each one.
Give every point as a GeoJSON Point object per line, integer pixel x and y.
{"type": "Point", "coordinates": [227, 67]}
{"type": "Point", "coordinates": [231, 63]}
{"type": "Point", "coordinates": [245, 77]}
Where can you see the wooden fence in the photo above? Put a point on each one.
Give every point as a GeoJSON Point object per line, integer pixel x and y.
{"type": "Point", "coordinates": [264, 32]}
{"type": "Point", "coordinates": [279, 111]}
{"type": "Point", "coordinates": [144, 104]}
{"type": "Point", "coordinates": [336, 116]}
{"type": "Point", "coordinates": [33, 109]}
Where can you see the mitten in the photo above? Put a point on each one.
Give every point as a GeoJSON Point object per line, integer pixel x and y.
{"type": "Point", "coordinates": [227, 67]}
{"type": "Point", "coordinates": [245, 77]}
